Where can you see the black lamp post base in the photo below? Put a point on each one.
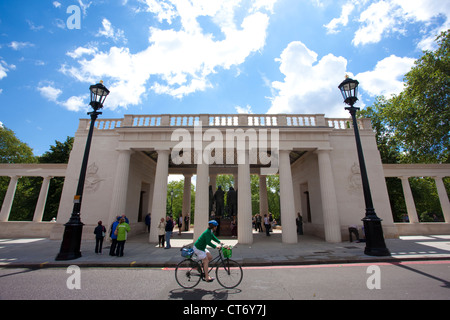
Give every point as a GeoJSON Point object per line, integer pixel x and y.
{"type": "Point", "coordinates": [375, 245]}
{"type": "Point", "coordinates": [70, 246]}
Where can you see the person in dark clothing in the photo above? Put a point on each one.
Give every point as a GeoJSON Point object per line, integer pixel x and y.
{"type": "Point", "coordinates": [99, 232]}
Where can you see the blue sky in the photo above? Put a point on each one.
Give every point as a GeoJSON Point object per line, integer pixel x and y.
{"type": "Point", "coordinates": [201, 56]}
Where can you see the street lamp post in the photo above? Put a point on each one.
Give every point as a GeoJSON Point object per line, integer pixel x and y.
{"type": "Point", "coordinates": [375, 245]}
{"type": "Point", "coordinates": [70, 246]}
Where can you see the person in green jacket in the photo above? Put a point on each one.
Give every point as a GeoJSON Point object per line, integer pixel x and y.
{"type": "Point", "coordinates": [200, 247]}
{"type": "Point", "coordinates": [122, 229]}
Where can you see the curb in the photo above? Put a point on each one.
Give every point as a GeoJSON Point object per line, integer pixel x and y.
{"type": "Point", "coordinates": [135, 264]}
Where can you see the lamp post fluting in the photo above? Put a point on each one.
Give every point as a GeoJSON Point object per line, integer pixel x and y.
{"type": "Point", "coordinates": [375, 244]}
{"type": "Point", "coordinates": [73, 229]}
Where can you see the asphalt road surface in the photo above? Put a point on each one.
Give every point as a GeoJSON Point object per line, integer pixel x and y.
{"type": "Point", "coordinates": [428, 280]}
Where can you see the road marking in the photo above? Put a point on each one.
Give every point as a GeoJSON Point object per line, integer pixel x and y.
{"type": "Point", "coordinates": [365, 264]}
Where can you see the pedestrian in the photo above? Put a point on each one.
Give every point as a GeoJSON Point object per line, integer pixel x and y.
{"type": "Point", "coordinates": [353, 229]}
{"type": "Point", "coordinates": [148, 220]}
{"type": "Point", "coordinates": [126, 219]}
{"type": "Point", "coordinates": [169, 229]}
{"type": "Point", "coordinates": [267, 225]}
{"type": "Point", "coordinates": [122, 229]}
{"type": "Point", "coordinates": [234, 227]}
{"type": "Point", "coordinates": [99, 232]}
{"type": "Point", "coordinates": [299, 222]}
{"type": "Point", "coordinates": [180, 223]}
{"type": "Point", "coordinates": [161, 232]}
{"type": "Point", "coordinates": [113, 236]}
{"type": "Point", "coordinates": [258, 223]}
{"type": "Point", "coordinates": [186, 222]}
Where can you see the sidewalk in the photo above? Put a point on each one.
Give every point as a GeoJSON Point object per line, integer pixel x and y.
{"type": "Point", "coordinates": [39, 253]}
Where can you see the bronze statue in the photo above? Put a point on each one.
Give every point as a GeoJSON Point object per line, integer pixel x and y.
{"type": "Point", "coordinates": [232, 202]}
{"type": "Point", "coordinates": [219, 200]}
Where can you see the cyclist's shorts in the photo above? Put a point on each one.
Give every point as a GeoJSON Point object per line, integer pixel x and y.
{"type": "Point", "coordinates": [200, 254]}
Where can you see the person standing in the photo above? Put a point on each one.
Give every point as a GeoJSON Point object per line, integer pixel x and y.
{"type": "Point", "coordinates": [161, 232]}
{"type": "Point", "coordinates": [169, 229]}
{"type": "Point", "coordinates": [123, 228]}
{"type": "Point", "coordinates": [99, 232]}
{"type": "Point", "coordinates": [112, 249]}
{"type": "Point", "coordinates": [148, 220]}
{"type": "Point", "coordinates": [267, 225]}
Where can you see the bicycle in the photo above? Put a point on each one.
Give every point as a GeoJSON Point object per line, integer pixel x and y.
{"type": "Point", "coordinates": [189, 272]}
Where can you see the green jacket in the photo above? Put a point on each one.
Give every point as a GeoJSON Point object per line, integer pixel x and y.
{"type": "Point", "coordinates": [205, 239]}
{"type": "Point", "coordinates": [123, 229]}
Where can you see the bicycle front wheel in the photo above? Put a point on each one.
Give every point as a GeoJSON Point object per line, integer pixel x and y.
{"type": "Point", "coordinates": [229, 274]}
{"type": "Point", "coordinates": [188, 273]}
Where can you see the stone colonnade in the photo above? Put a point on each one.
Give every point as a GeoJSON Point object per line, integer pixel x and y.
{"type": "Point", "coordinates": [9, 198]}
{"type": "Point", "coordinates": [205, 177]}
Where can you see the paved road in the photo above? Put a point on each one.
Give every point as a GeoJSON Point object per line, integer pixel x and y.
{"type": "Point", "coordinates": [408, 280]}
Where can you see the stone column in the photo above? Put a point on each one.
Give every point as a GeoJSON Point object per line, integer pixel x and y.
{"type": "Point", "coordinates": [331, 221]}
{"type": "Point", "coordinates": [201, 216]}
{"type": "Point", "coordinates": [159, 193]}
{"type": "Point", "coordinates": [289, 233]}
{"type": "Point", "coordinates": [244, 218]}
{"type": "Point", "coordinates": [263, 204]}
{"type": "Point", "coordinates": [119, 193]}
{"type": "Point", "coordinates": [187, 198]}
{"type": "Point", "coordinates": [40, 206]}
{"type": "Point", "coordinates": [409, 201]}
{"type": "Point", "coordinates": [443, 198]}
{"type": "Point", "coordinates": [9, 198]}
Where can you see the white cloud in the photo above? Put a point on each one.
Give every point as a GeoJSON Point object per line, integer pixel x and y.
{"type": "Point", "coordinates": [379, 18]}
{"type": "Point", "coordinates": [84, 6]}
{"type": "Point", "coordinates": [56, 4]}
{"type": "Point", "coordinates": [80, 51]}
{"type": "Point", "coordinates": [389, 16]}
{"type": "Point", "coordinates": [387, 77]}
{"type": "Point", "coordinates": [109, 31]}
{"type": "Point", "coordinates": [4, 68]}
{"type": "Point", "coordinates": [310, 86]}
{"type": "Point", "coordinates": [247, 109]}
{"type": "Point", "coordinates": [176, 62]}
{"type": "Point", "coordinates": [74, 103]}
{"type": "Point", "coordinates": [16, 45]}
{"type": "Point", "coordinates": [332, 26]}
{"type": "Point", "coordinates": [50, 92]}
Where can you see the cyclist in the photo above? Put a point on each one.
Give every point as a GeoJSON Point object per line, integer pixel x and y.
{"type": "Point", "coordinates": [200, 247]}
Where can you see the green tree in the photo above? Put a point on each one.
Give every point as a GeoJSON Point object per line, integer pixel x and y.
{"type": "Point", "coordinates": [58, 153]}
{"type": "Point", "coordinates": [12, 150]}
{"type": "Point", "coordinates": [414, 126]}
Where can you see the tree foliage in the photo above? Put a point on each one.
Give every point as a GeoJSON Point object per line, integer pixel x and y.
{"type": "Point", "coordinates": [12, 150]}
{"type": "Point", "coordinates": [414, 125]}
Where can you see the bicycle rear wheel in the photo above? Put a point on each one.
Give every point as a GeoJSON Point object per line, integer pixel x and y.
{"type": "Point", "coordinates": [229, 274]}
{"type": "Point", "coordinates": [188, 273]}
